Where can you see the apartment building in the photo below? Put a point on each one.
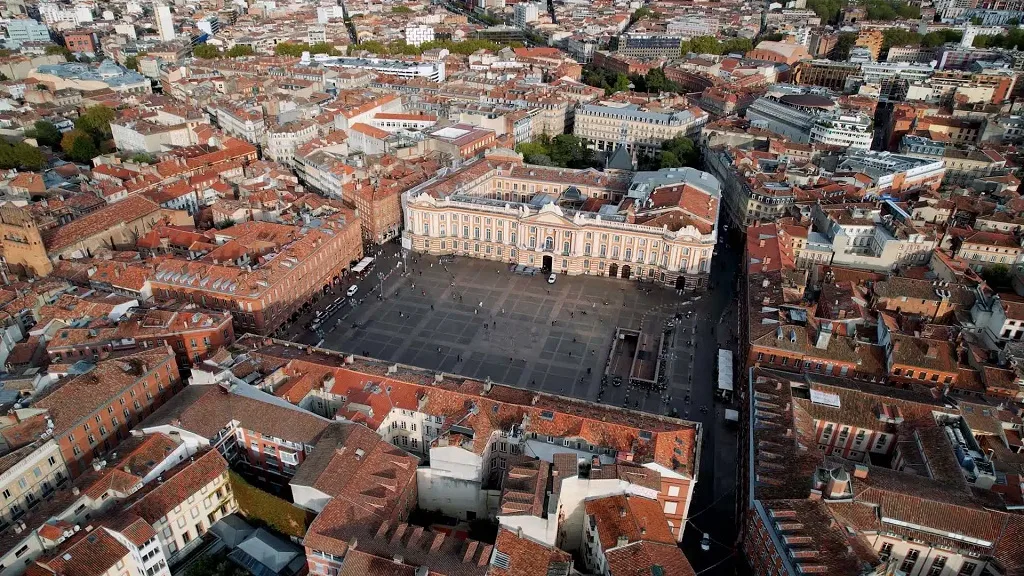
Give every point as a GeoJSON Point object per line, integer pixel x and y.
{"type": "Point", "coordinates": [653, 45]}
{"type": "Point", "coordinates": [433, 71]}
{"type": "Point", "coordinates": [262, 284]}
{"type": "Point", "coordinates": [191, 334]}
{"type": "Point", "coordinates": [642, 129]}
{"type": "Point", "coordinates": [29, 474]}
{"type": "Point", "coordinates": [246, 124]}
{"type": "Point", "coordinates": [619, 528]}
{"type": "Point", "coordinates": [844, 130]}
{"type": "Point", "coordinates": [283, 139]}
{"type": "Point", "coordinates": [861, 460]}
{"type": "Point", "coordinates": [867, 238]}
{"type": "Point", "coordinates": [585, 444]}
{"type": "Point", "coordinates": [187, 500]}
{"type": "Point", "coordinates": [93, 501]}
{"type": "Point", "coordinates": [748, 198]}
{"type": "Point", "coordinates": [94, 411]}
{"type": "Point", "coordinates": [247, 426]}
{"type": "Point", "coordinates": [659, 226]}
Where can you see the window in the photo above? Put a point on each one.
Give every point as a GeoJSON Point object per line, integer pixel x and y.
{"type": "Point", "coordinates": [673, 490]}
{"type": "Point", "coordinates": [886, 550]}
{"type": "Point", "coordinates": [967, 569]}
{"type": "Point", "coordinates": [670, 507]}
{"type": "Point", "coordinates": [910, 560]}
{"type": "Point", "coordinates": [937, 566]}
{"type": "Point", "coordinates": [7, 494]}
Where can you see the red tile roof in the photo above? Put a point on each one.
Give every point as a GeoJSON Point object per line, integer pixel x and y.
{"type": "Point", "coordinates": [188, 478]}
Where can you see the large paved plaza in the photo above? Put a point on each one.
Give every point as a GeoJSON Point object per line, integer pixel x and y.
{"type": "Point", "coordinates": [478, 319]}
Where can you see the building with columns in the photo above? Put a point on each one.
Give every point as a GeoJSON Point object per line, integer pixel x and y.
{"type": "Point", "coordinates": [651, 226]}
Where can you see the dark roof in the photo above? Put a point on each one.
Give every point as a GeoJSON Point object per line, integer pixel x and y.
{"type": "Point", "coordinates": [807, 100]}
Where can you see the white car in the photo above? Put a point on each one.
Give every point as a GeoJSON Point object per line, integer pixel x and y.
{"type": "Point", "coordinates": [705, 542]}
{"type": "Point", "coordinates": [352, 290]}
{"type": "Point", "coordinates": [551, 279]}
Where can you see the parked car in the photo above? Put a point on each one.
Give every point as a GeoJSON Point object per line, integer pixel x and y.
{"type": "Point", "coordinates": [705, 542]}
{"type": "Point", "coordinates": [551, 279]}
{"type": "Point", "coordinates": [352, 290]}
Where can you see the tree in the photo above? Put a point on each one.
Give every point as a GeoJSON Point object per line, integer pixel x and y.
{"type": "Point", "coordinates": [239, 50]}
{"type": "Point", "coordinates": [143, 158]}
{"type": "Point", "coordinates": [79, 146]}
{"type": "Point", "coordinates": [621, 84]}
{"type": "Point", "coordinates": [45, 133]}
{"type": "Point", "coordinates": [997, 276]}
{"type": "Point", "coordinates": [738, 45]}
{"type": "Point", "coordinates": [21, 156]}
{"type": "Point", "coordinates": [705, 45]}
{"type": "Point", "coordinates": [61, 50]}
{"type": "Point", "coordinates": [827, 10]}
{"type": "Point", "coordinates": [1013, 22]}
{"type": "Point", "coordinates": [844, 43]}
{"type": "Point", "coordinates": [899, 37]}
{"type": "Point", "coordinates": [96, 123]}
{"type": "Point", "coordinates": [682, 150]}
{"type": "Point", "coordinates": [206, 52]}
{"type": "Point", "coordinates": [639, 14]}
{"type": "Point", "coordinates": [401, 10]}
{"type": "Point", "coordinates": [131, 63]}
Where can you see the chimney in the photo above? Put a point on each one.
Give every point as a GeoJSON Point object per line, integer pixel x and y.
{"type": "Point", "coordinates": [622, 512]}
{"type": "Point", "coordinates": [838, 481]}
{"type": "Point", "coordinates": [623, 540]}
{"type": "Point", "coordinates": [860, 471]}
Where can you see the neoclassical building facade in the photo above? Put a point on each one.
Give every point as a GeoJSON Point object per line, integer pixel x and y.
{"type": "Point", "coordinates": [651, 226]}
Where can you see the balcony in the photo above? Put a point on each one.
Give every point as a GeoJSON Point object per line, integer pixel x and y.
{"type": "Point", "coordinates": [289, 458]}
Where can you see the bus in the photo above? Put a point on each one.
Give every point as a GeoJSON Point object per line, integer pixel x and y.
{"type": "Point", "coordinates": [724, 391]}
{"type": "Point", "coordinates": [364, 266]}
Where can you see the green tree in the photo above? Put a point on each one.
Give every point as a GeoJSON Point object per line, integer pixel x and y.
{"type": "Point", "coordinates": [997, 276]}
{"type": "Point", "coordinates": [401, 10]}
{"type": "Point", "coordinates": [21, 156]}
{"type": "Point", "coordinates": [206, 52]}
{"type": "Point", "coordinates": [621, 84]}
{"type": "Point", "coordinates": [45, 133]}
{"type": "Point", "coordinates": [940, 37]}
{"type": "Point", "coordinates": [239, 50]}
{"type": "Point", "coordinates": [682, 150]}
{"type": "Point", "coordinates": [96, 123]}
{"type": "Point", "coordinates": [373, 47]}
{"type": "Point", "coordinates": [705, 45]}
{"type": "Point", "coordinates": [639, 14]}
{"type": "Point", "coordinates": [131, 63]}
{"type": "Point", "coordinates": [844, 43]}
{"type": "Point", "coordinates": [143, 158]}
{"type": "Point", "coordinates": [79, 146]}
{"type": "Point", "coordinates": [62, 50]}
{"type": "Point", "coordinates": [1013, 22]}
{"type": "Point", "coordinates": [899, 37]}
{"type": "Point", "coordinates": [738, 45]}
{"type": "Point", "coordinates": [827, 10]}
